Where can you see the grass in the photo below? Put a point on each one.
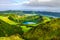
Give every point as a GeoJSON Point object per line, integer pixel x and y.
{"type": "Point", "coordinates": [25, 28]}
{"type": "Point", "coordinates": [13, 37]}
{"type": "Point", "coordinates": [5, 19]}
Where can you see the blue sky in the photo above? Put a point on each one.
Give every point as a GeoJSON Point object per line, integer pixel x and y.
{"type": "Point", "coordinates": [35, 5]}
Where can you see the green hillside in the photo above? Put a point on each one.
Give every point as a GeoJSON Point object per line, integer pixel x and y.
{"type": "Point", "coordinates": [46, 31]}
{"type": "Point", "coordinates": [5, 19]}
{"type": "Point", "coordinates": [27, 27]}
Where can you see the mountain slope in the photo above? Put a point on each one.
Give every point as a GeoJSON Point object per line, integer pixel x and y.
{"type": "Point", "coordinates": [46, 31]}
{"type": "Point", "coordinates": [5, 19]}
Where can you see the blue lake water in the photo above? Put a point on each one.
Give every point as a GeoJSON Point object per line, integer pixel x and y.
{"type": "Point", "coordinates": [29, 23]}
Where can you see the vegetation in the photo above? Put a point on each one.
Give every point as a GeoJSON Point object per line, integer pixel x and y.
{"type": "Point", "coordinates": [46, 31]}
{"type": "Point", "coordinates": [12, 26]}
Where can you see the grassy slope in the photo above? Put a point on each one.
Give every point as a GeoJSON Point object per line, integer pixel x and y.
{"type": "Point", "coordinates": [12, 37]}
{"type": "Point", "coordinates": [5, 19]}
{"type": "Point", "coordinates": [46, 31]}
{"type": "Point", "coordinates": [33, 33]}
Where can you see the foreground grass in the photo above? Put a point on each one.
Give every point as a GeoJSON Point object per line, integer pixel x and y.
{"type": "Point", "coordinates": [13, 37]}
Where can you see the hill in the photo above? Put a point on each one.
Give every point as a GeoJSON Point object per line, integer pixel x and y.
{"type": "Point", "coordinates": [29, 27]}
{"type": "Point", "coordinates": [46, 31]}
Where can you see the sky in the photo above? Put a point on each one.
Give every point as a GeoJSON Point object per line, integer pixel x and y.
{"type": "Point", "coordinates": [34, 5]}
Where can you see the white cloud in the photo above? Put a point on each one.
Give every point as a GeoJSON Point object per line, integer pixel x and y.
{"type": "Point", "coordinates": [44, 5]}
{"type": "Point", "coordinates": [50, 3]}
{"type": "Point", "coordinates": [6, 1]}
{"type": "Point", "coordinates": [10, 4]}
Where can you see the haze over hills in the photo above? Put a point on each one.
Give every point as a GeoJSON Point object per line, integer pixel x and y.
{"type": "Point", "coordinates": [46, 13]}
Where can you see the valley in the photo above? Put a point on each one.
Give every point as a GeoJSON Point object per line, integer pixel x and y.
{"type": "Point", "coordinates": [23, 26]}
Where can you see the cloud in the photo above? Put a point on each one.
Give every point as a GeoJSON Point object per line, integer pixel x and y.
{"type": "Point", "coordinates": [38, 3]}
{"type": "Point", "coordinates": [10, 4]}
{"type": "Point", "coordinates": [6, 1]}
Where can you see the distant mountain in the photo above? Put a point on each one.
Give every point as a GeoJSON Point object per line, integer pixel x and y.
{"type": "Point", "coordinates": [55, 14]}
{"type": "Point", "coordinates": [44, 13]}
